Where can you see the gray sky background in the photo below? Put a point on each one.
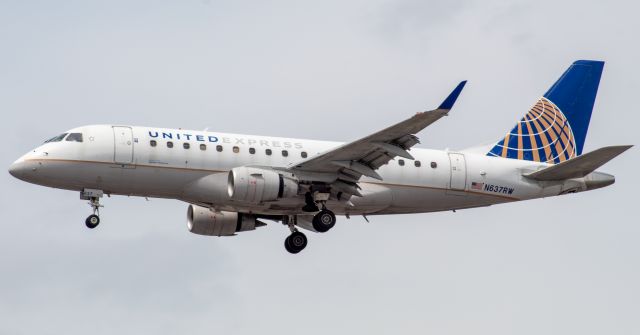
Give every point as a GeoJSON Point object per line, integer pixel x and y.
{"type": "Point", "coordinates": [333, 70]}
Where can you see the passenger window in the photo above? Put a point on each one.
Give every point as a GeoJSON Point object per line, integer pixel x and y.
{"type": "Point", "coordinates": [268, 152]}
{"type": "Point", "coordinates": [186, 145]}
{"type": "Point", "coordinates": [218, 148]}
{"type": "Point", "coordinates": [303, 154]}
{"type": "Point", "coordinates": [169, 144]}
{"type": "Point", "coordinates": [74, 137]}
{"type": "Point", "coordinates": [203, 147]}
{"type": "Point", "coordinates": [401, 162]}
{"type": "Point", "coordinates": [417, 163]}
{"type": "Point", "coordinates": [252, 151]}
{"type": "Point", "coordinates": [153, 143]}
{"type": "Point", "coordinates": [285, 153]}
{"type": "Point", "coordinates": [56, 139]}
{"type": "Point", "coordinates": [434, 165]}
{"type": "Point", "coordinates": [236, 150]}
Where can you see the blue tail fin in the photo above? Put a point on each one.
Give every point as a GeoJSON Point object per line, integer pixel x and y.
{"type": "Point", "coordinates": [555, 128]}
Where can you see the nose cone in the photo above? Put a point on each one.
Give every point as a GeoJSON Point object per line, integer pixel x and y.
{"type": "Point", "coordinates": [17, 169]}
{"type": "Point", "coordinates": [30, 167]}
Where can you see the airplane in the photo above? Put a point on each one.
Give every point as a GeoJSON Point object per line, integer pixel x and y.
{"type": "Point", "coordinates": [234, 182]}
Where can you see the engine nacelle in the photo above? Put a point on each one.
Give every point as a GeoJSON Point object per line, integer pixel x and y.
{"type": "Point", "coordinates": [255, 185]}
{"type": "Point", "coordinates": [204, 221]}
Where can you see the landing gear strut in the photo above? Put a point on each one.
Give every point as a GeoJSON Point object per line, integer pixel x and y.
{"type": "Point", "coordinates": [297, 241]}
{"type": "Point", "coordinates": [93, 196]}
{"type": "Point", "coordinates": [310, 203]}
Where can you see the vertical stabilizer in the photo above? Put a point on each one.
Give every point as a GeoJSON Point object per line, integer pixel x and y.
{"type": "Point", "coordinates": [555, 128]}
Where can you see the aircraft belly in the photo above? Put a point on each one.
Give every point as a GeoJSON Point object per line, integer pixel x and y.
{"type": "Point", "coordinates": [112, 178]}
{"type": "Point", "coordinates": [152, 181]}
{"type": "Point", "coordinates": [209, 186]}
{"type": "Point", "coordinates": [375, 198]}
{"type": "Point", "coordinates": [421, 199]}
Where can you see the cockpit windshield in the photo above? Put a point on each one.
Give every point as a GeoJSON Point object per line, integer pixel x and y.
{"type": "Point", "coordinates": [74, 137]}
{"type": "Point", "coordinates": [56, 139]}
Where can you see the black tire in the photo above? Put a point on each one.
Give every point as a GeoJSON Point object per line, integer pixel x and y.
{"type": "Point", "coordinates": [295, 242]}
{"type": "Point", "coordinates": [323, 221]}
{"type": "Point", "coordinates": [287, 246]}
{"type": "Point", "coordinates": [92, 221]}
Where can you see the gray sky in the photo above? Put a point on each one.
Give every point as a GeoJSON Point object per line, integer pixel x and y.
{"type": "Point", "coordinates": [326, 70]}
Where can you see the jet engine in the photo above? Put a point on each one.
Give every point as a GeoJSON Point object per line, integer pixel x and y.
{"type": "Point", "coordinates": [255, 185]}
{"type": "Point", "coordinates": [204, 221]}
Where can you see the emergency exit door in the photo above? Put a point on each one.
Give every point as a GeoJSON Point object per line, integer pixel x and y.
{"type": "Point", "coordinates": [458, 171]}
{"type": "Point", "coordinates": [123, 145]}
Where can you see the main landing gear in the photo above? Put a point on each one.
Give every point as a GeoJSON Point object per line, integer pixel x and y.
{"type": "Point", "coordinates": [93, 196]}
{"type": "Point", "coordinates": [297, 241]}
{"type": "Point", "coordinates": [324, 220]}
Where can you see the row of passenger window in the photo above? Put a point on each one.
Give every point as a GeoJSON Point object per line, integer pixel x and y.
{"type": "Point", "coordinates": [417, 163]}
{"type": "Point", "coordinates": [220, 148]}
{"type": "Point", "coordinates": [268, 152]}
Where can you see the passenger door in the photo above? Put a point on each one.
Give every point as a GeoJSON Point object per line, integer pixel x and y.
{"type": "Point", "coordinates": [458, 180]}
{"type": "Point", "coordinates": [123, 145]}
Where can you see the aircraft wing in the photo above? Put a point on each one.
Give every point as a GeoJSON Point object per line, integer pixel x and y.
{"type": "Point", "coordinates": [363, 157]}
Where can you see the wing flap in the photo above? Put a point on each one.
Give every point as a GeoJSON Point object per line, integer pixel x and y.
{"type": "Point", "coordinates": [359, 168]}
{"type": "Point", "coordinates": [580, 166]}
{"type": "Point", "coordinates": [394, 149]}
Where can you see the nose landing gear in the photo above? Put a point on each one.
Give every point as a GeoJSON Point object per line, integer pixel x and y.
{"type": "Point", "coordinates": [93, 196]}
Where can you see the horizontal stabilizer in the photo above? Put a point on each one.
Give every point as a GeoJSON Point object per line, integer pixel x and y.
{"type": "Point", "coordinates": [580, 166]}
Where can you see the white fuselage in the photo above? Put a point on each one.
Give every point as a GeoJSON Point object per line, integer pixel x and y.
{"type": "Point", "coordinates": [122, 160]}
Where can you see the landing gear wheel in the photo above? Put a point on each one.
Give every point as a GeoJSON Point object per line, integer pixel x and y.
{"type": "Point", "coordinates": [323, 221]}
{"type": "Point", "coordinates": [92, 221]}
{"type": "Point", "coordinates": [295, 242]}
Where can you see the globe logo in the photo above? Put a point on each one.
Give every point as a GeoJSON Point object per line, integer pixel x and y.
{"type": "Point", "coordinates": [542, 135]}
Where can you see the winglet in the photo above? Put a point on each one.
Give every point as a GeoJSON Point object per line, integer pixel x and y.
{"type": "Point", "coordinates": [451, 99]}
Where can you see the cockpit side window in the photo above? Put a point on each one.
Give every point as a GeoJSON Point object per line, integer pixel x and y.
{"type": "Point", "coordinates": [74, 137]}
{"type": "Point", "coordinates": [56, 139]}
